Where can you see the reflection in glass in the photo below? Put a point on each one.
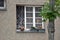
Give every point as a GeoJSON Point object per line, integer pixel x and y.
{"type": "Point", "coordinates": [29, 9]}
{"type": "Point", "coordinates": [29, 20]}
{"type": "Point", "coordinates": [37, 15]}
{"type": "Point", "coordinates": [29, 14]}
{"type": "Point", "coordinates": [1, 3]}
{"type": "Point", "coordinates": [39, 26]}
{"type": "Point", "coordinates": [38, 20]}
{"type": "Point", "coordinates": [29, 25]}
{"type": "Point", "coordinates": [37, 9]}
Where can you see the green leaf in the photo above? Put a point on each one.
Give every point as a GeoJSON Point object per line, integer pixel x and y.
{"type": "Point", "coordinates": [49, 14]}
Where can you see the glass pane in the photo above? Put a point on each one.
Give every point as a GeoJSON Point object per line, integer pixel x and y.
{"type": "Point", "coordinates": [39, 26]}
{"type": "Point", "coordinates": [29, 14]}
{"type": "Point", "coordinates": [29, 20]}
{"type": "Point", "coordinates": [38, 20]}
{"type": "Point", "coordinates": [20, 16]}
{"type": "Point", "coordinates": [29, 25]}
{"type": "Point", "coordinates": [37, 15]}
{"type": "Point", "coordinates": [29, 9]}
{"type": "Point", "coordinates": [37, 9]}
{"type": "Point", "coordinates": [1, 3]}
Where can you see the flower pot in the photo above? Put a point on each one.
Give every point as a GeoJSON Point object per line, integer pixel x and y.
{"type": "Point", "coordinates": [22, 28]}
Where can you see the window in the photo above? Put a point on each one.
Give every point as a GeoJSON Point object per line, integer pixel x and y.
{"type": "Point", "coordinates": [32, 21]}
{"type": "Point", "coordinates": [2, 4]}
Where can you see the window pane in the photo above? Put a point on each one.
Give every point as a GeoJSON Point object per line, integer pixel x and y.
{"type": "Point", "coordinates": [37, 9]}
{"type": "Point", "coordinates": [39, 26]}
{"type": "Point", "coordinates": [20, 16]}
{"type": "Point", "coordinates": [29, 9]}
{"type": "Point", "coordinates": [29, 20]}
{"type": "Point", "coordinates": [1, 3]}
{"type": "Point", "coordinates": [29, 14]}
{"type": "Point", "coordinates": [37, 15]}
{"type": "Point", "coordinates": [29, 25]}
{"type": "Point", "coordinates": [38, 20]}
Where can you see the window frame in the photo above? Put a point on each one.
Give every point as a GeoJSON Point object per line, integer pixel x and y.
{"type": "Point", "coordinates": [5, 6]}
{"type": "Point", "coordinates": [34, 24]}
{"type": "Point", "coordinates": [19, 29]}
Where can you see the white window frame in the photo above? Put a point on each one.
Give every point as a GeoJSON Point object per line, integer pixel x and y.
{"type": "Point", "coordinates": [33, 16]}
{"type": "Point", "coordinates": [4, 8]}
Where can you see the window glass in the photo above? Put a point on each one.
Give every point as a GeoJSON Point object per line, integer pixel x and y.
{"type": "Point", "coordinates": [37, 15]}
{"type": "Point", "coordinates": [28, 26]}
{"type": "Point", "coordinates": [38, 20]}
{"type": "Point", "coordinates": [29, 9]}
{"type": "Point", "coordinates": [29, 14]}
{"type": "Point", "coordinates": [37, 9]}
{"type": "Point", "coordinates": [29, 20]}
{"type": "Point", "coordinates": [39, 26]}
{"type": "Point", "coordinates": [1, 3]}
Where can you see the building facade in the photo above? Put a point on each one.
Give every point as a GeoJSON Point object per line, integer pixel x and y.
{"type": "Point", "coordinates": [24, 13]}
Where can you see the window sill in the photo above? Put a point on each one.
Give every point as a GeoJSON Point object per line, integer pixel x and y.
{"type": "Point", "coordinates": [3, 9]}
{"type": "Point", "coordinates": [33, 31]}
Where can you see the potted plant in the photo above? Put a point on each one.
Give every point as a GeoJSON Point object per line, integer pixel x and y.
{"type": "Point", "coordinates": [22, 28]}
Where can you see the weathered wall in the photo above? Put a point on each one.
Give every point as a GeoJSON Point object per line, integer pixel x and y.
{"type": "Point", "coordinates": [30, 2]}
{"type": "Point", "coordinates": [57, 29]}
{"type": "Point", "coordinates": [8, 23]}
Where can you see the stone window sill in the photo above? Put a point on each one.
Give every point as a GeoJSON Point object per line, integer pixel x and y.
{"type": "Point", "coordinates": [32, 31]}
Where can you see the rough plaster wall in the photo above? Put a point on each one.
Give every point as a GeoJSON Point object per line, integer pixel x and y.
{"type": "Point", "coordinates": [57, 29]}
{"type": "Point", "coordinates": [31, 2]}
{"type": "Point", "coordinates": [8, 24]}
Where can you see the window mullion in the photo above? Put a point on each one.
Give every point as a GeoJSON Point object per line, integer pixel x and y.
{"type": "Point", "coordinates": [25, 16]}
{"type": "Point", "coordinates": [33, 16]}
